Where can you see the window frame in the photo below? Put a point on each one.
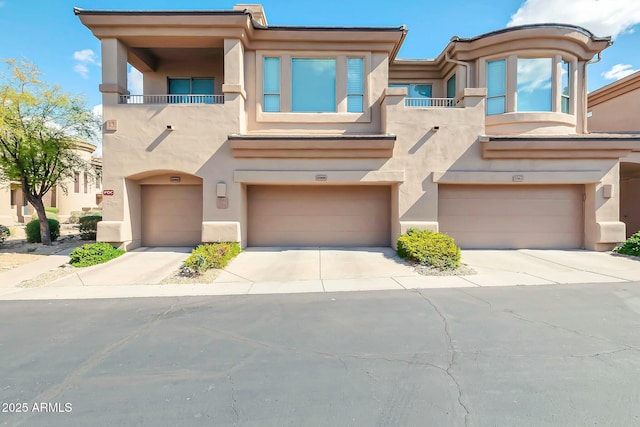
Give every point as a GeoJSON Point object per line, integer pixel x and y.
{"type": "Point", "coordinates": [503, 95]}
{"type": "Point", "coordinates": [266, 93]}
{"type": "Point", "coordinates": [302, 59]}
{"type": "Point", "coordinates": [188, 98]}
{"type": "Point", "coordinates": [511, 62]}
{"type": "Point", "coordinates": [359, 94]}
{"type": "Point", "coordinates": [286, 115]}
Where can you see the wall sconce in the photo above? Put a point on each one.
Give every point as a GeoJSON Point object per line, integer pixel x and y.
{"type": "Point", "coordinates": [170, 127]}
{"type": "Point", "coordinates": [435, 129]}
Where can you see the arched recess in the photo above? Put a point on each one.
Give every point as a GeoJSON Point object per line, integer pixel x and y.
{"type": "Point", "coordinates": [165, 208]}
{"type": "Point", "coordinates": [630, 196]}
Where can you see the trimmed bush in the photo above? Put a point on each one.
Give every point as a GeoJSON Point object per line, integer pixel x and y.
{"type": "Point", "coordinates": [429, 248]}
{"type": "Point", "coordinates": [93, 253]}
{"type": "Point", "coordinates": [89, 226]}
{"type": "Point", "coordinates": [631, 246]}
{"type": "Point", "coordinates": [33, 230]}
{"type": "Point", "coordinates": [4, 233]}
{"type": "Point", "coordinates": [211, 255]}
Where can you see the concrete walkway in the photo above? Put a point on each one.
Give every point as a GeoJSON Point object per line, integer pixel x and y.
{"type": "Point", "coordinates": [299, 270]}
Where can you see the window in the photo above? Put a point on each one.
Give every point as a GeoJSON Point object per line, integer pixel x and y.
{"type": "Point", "coordinates": [191, 87]}
{"type": "Point", "coordinates": [76, 182]}
{"type": "Point", "coordinates": [496, 86]}
{"type": "Point", "coordinates": [565, 87]}
{"type": "Point", "coordinates": [355, 85]}
{"type": "Point", "coordinates": [451, 87]}
{"type": "Point", "coordinates": [418, 95]}
{"type": "Point", "coordinates": [13, 197]}
{"type": "Point", "coordinates": [313, 85]}
{"type": "Point", "coordinates": [271, 84]}
{"type": "Point", "coordinates": [98, 182]}
{"type": "Point", "coordinates": [86, 183]}
{"type": "Point", "coordinates": [534, 84]}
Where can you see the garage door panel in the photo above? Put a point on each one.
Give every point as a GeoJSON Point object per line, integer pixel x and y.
{"type": "Point", "coordinates": [171, 215]}
{"type": "Point", "coordinates": [318, 216]}
{"type": "Point", "coordinates": [546, 216]}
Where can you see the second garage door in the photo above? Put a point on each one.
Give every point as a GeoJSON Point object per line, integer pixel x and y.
{"type": "Point", "coordinates": [171, 215]}
{"type": "Point", "coordinates": [319, 216]}
{"type": "Point", "coordinates": [523, 216]}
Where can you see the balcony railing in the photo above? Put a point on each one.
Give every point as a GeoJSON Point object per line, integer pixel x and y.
{"type": "Point", "coordinates": [171, 99]}
{"type": "Point", "coordinates": [430, 102]}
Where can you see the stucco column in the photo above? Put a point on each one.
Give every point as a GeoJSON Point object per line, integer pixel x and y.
{"type": "Point", "coordinates": [233, 88]}
{"type": "Point", "coordinates": [114, 71]}
{"type": "Point", "coordinates": [603, 228]}
{"type": "Point", "coordinates": [7, 217]}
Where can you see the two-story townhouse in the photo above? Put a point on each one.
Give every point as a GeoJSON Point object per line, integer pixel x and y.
{"type": "Point", "coordinates": [615, 108]}
{"type": "Point", "coordinates": [82, 191]}
{"type": "Point", "coordinates": [316, 136]}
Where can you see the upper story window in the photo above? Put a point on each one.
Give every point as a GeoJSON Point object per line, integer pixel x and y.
{"type": "Point", "coordinates": [192, 89]}
{"type": "Point", "coordinates": [541, 85]}
{"type": "Point", "coordinates": [565, 87]}
{"type": "Point", "coordinates": [355, 85]}
{"type": "Point", "coordinates": [534, 84]}
{"type": "Point", "coordinates": [418, 95]}
{"type": "Point", "coordinates": [451, 87]}
{"type": "Point", "coordinates": [271, 84]}
{"type": "Point", "coordinates": [496, 86]}
{"type": "Point", "coordinates": [313, 85]}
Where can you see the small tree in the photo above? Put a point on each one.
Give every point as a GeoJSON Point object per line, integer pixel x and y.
{"type": "Point", "coordinates": [39, 125]}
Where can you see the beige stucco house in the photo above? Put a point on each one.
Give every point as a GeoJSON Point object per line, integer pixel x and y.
{"type": "Point", "coordinates": [311, 136]}
{"type": "Point", "coordinates": [83, 192]}
{"type": "Point", "coordinates": [615, 108]}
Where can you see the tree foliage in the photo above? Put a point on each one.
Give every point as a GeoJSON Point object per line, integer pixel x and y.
{"type": "Point", "coordinates": [39, 126]}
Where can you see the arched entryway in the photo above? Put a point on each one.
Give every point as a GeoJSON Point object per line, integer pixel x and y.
{"type": "Point", "coordinates": [630, 196]}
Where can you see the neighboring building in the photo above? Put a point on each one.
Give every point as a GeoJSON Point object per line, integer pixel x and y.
{"type": "Point", "coordinates": [615, 108]}
{"type": "Point", "coordinates": [83, 192]}
{"type": "Point", "coordinates": [311, 136]}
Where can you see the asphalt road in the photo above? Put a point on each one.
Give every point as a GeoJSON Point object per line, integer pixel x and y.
{"type": "Point", "coordinates": [511, 356]}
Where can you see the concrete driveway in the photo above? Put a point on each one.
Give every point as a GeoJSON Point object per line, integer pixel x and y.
{"type": "Point", "coordinates": [142, 266]}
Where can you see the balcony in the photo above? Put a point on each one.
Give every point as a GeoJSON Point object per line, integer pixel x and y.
{"type": "Point", "coordinates": [431, 102]}
{"type": "Point", "coordinates": [171, 99]}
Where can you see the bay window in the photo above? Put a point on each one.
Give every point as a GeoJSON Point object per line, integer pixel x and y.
{"type": "Point", "coordinates": [541, 84]}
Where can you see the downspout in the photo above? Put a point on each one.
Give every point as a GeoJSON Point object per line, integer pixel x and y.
{"type": "Point", "coordinates": [464, 64]}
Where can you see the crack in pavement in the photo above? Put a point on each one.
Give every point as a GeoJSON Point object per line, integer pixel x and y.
{"type": "Point", "coordinates": [452, 359]}
{"type": "Point", "coordinates": [573, 331]}
{"type": "Point", "coordinates": [233, 400]}
{"type": "Point", "coordinates": [50, 394]}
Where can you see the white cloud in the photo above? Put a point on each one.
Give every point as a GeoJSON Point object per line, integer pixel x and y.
{"type": "Point", "coordinates": [83, 58]}
{"type": "Point", "coordinates": [97, 111]}
{"type": "Point", "coordinates": [134, 81]}
{"type": "Point", "coordinates": [82, 70]}
{"type": "Point", "coordinates": [618, 72]}
{"type": "Point", "coordinates": [601, 17]}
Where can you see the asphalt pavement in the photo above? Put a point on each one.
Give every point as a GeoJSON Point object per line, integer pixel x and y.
{"type": "Point", "coordinates": [495, 356]}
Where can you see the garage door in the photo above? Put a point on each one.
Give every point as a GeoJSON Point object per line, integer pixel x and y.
{"type": "Point", "coordinates": [319, 216]}
{"type": "Point", "coordinates": [492, 216]}
{"type": "Point", "coordinates": [171, 215]}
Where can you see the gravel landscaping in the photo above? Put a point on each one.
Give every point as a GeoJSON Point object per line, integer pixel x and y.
{"type": "Point", "coordinates": [427, 270]}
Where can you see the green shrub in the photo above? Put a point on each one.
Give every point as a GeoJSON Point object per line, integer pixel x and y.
{"type": "Point", "coordinates": [4, 233]}
{"type": "Point", "coordinates": [211, 255]}
{"type": "Point", "coordinates": [93, 253]}
{"type": "Point", "coordinates": [74, 216]}
{"type": "Point", "coordinates": [429, 248]}
{"type": "Point", "coordinates": [33, 230]}
{"type": "Point", "coordinates": [53, 210]}
{"type": "Point", "coordinates": [89, 226]}
{"type": "Point", "coordinates": [631, 246]}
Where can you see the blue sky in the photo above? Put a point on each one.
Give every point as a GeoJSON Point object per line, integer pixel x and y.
{"type": "Point", "coordinates": [48, 33]}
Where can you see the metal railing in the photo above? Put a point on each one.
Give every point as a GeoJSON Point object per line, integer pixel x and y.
{"type": "Point", "coordinates": [430, 102]}
{"type": "Point", "coordinates": [171, 99]}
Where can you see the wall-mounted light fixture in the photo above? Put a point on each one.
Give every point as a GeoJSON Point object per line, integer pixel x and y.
{"type": "Point", "coordinates": [435, 129]}
{"type": "Point", "coordinates": [170, 127]}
